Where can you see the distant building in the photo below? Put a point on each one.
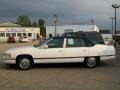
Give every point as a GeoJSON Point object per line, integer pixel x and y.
{"type": "Point", "coordinates": [108, 37]}
{"type": "Point", "coordinates": [15, 30]}
{"type": "Point", "coordinates": [50, 30]}
{"type": "Point", "coordinates": [8, 24]}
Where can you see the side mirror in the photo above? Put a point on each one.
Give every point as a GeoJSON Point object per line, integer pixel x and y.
{"type": "Point", "coordinates": [45, 46]}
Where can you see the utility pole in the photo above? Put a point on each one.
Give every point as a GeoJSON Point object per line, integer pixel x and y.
{"type": "Point", "coordinates": [93, 21]}
{"type": "Point", "coordinates": [112, 18]}
{"type": "Point", "coordinates": [93, 24]}
{"type": "Point", "coordinates": [55, 22]}
{"type": "Point", "coordinates": [115, 6]}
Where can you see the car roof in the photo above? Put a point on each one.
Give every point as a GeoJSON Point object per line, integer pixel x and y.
{"type": "Point", "coordinates": [79, 34]}
{"type": "Point", "coordinates": [73, 34]}
{"type": "Point", "coordinates": [76, 36]}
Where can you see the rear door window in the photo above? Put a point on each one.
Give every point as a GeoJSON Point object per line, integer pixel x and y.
{"type": "Point", "coordinates": [75, 42]}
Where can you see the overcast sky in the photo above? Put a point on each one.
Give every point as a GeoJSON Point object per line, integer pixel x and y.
{"type": "Point", "coordinates": [69, 11]}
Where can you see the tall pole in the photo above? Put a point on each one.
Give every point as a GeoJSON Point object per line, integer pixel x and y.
{"type": "Point", "coordinates": [112, 28]}
{"type": "Point", "coordinates": [112, 18]}
{"type": "Point", "coordinates": [115, 27]}
{"type": "Point", "coordinates": [115, 6]}
{"type": "Point", "coordinates": [55, 21]}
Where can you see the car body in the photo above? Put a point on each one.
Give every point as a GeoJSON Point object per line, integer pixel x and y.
{"type": "Point", "coordinates": [23, 39]}
{"type": "Point", "coordinates": [64, 49]}
{"type": "Point", "coordinates": [11, 40]}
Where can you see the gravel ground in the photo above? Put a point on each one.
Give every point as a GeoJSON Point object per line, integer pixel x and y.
{"type": "Point", "coordinates": [106, 76]}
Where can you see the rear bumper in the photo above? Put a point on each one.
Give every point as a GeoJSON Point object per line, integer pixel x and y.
{"type": "Point", "coordinates": [105, 58]}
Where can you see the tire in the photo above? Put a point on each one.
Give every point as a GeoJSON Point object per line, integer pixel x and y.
{"type": "Point", "coordinates": [24, 63]}
{"type": "Point", "coordinates": [90, 62]}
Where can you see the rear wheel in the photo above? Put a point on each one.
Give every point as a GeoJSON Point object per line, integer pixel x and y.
{"type": "Point", "coordinates": [24, 63]}
{"type": "Point", "coordinates": [90, 62]}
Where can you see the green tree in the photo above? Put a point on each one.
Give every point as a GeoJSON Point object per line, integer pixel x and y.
{"type": "Point", "coordinates": [24, 20]}
{"type": "Point", "coordinates": [41, 24]}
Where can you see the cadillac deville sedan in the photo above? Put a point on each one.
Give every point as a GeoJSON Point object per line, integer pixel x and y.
{"type": "Point", "coordinates": [63, 49]}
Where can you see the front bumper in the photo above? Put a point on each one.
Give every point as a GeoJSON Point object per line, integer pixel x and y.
{"type": "Point", "coordinates": [12, 61]}
{"type": "Point", "coordinates": [6, 59]}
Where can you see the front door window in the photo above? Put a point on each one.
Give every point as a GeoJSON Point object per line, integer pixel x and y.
{"type": "Point", "coordinates": [55, 43]}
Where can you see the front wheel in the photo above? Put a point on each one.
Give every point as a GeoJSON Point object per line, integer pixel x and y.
{"type": "Point", "coordinates": [24, 63]}
{"type": "Point", "coordinates": [90, 62]}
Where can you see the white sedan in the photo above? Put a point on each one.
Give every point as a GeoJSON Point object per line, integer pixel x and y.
{"type": "Point", "coordinates": [23, 39]}
{"type": "Point", "coordinates": [60, 50]}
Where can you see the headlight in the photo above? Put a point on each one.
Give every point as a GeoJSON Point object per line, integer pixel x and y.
{"type": "Point", "coordinates": [6, 56]}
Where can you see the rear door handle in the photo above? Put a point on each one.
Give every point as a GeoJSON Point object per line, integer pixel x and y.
{"type": "Point", "coordinates": [84, 50]}
{"type": "Point", "coordinates": [60, 51]}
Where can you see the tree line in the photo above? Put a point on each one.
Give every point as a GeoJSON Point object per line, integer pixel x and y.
{"type": "Point", "coordinates": [25, 21]}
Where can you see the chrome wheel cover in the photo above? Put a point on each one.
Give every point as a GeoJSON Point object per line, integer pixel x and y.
{"type": "Point", "coordinates": [24, 63]}
{"type": "Point", "coordinates": [91, 62]}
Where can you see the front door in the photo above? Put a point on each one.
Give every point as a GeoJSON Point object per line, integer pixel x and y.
{"type": "Point", "coordinates": [53, 53]}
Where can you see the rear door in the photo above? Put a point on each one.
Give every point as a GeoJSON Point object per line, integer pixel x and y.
{"type": "Point", "coordinates": [75, 50]}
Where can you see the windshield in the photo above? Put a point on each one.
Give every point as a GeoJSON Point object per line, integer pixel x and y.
{"type": "Point", "coordinates": [41, 43]}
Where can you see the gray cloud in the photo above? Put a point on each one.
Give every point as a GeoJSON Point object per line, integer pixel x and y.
{"type": "Point", "coordinates": [67, 10]}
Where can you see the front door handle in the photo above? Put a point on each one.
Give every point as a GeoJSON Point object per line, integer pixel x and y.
{"type": "Point", "coordinates": [59, 51]}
